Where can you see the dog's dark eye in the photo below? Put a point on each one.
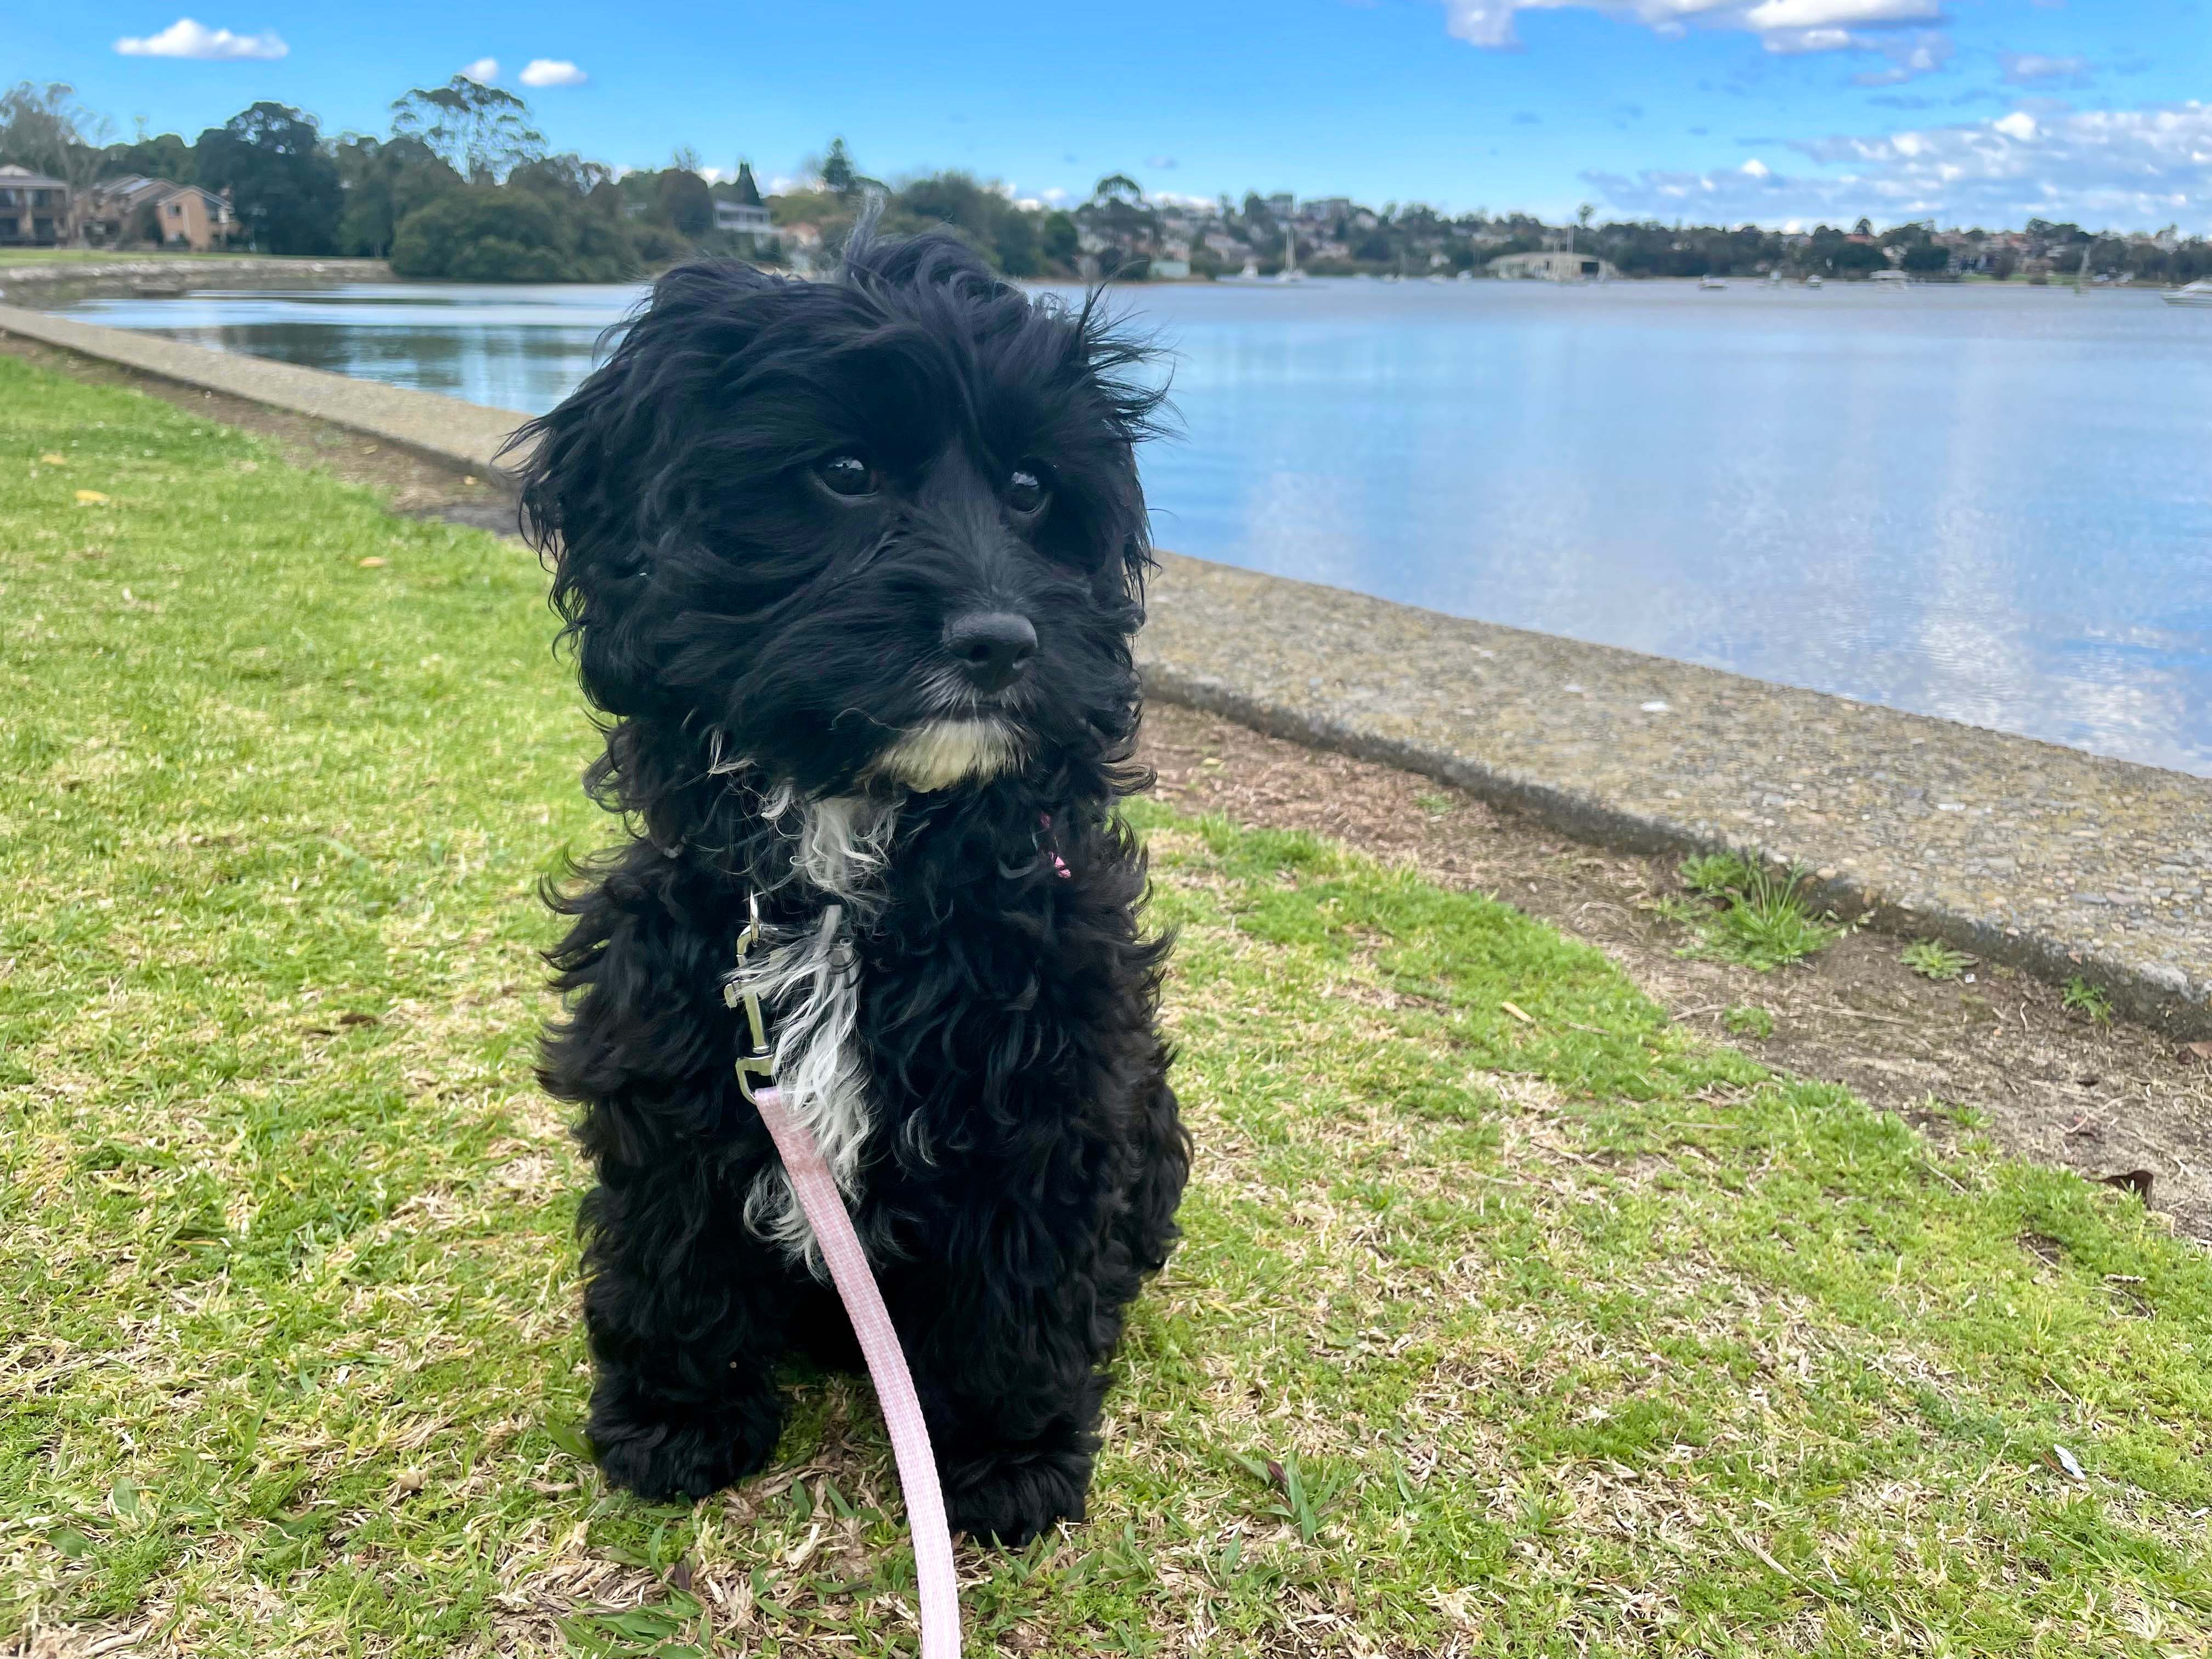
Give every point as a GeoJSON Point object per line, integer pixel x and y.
{"type": "Point", "coordinates": [847, 475]}
{"type": "Point", "coordinates": [1026, 489]}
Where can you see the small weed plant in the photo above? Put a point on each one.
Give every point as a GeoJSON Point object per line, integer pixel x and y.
{"type": "Point", "coordinates": [1751, 915]}
{"type": "Point", "coordinates": [2087, 1001]}
{"type": "Point", "coordinates": [1749, 1019]}
{"type": "Point", "coordinates": [1933, 959]}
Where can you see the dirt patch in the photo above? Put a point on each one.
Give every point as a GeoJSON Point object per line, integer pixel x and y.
{"type": "Point", "coordinates": [2051, 1084]}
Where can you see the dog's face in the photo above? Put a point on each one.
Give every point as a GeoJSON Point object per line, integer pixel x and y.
{"type": "Point", "coordinates": [882, 531]}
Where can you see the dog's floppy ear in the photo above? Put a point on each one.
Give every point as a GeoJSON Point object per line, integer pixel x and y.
{"type": "Point", "coordinates": [597, 472]}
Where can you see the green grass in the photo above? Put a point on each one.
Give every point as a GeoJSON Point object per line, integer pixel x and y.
{"type": "Point", "coordinates": [1933, 959]}
{"type": "Point", "coordinates": [1749, 1019]}
{"type": "Point", "coordinates": [1563, 1334]}
{"type": "Point", "coordinates": [1751, 916]}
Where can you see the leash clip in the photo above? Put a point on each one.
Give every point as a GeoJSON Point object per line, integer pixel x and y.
{"type": "Point", "coordinates": [755, 1061]}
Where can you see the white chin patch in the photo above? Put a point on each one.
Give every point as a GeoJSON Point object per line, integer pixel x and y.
{"type": "Point", "coordinates": [945, 752]}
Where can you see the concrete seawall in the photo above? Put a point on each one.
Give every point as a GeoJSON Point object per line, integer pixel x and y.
{"type": "Point", "coordinates": [2061, 862]}
{"type": "Point", "coordinates": [64, 282]}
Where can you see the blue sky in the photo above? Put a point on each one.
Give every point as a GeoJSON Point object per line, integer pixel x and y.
{"type": "Point", "coordinates": [1972, 111]}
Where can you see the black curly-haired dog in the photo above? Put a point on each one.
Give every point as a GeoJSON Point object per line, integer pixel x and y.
{"type": "Point", "coordinates": [852, 568]}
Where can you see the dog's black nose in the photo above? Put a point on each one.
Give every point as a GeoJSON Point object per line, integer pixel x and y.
{"type": "Point", "coordinates": [992, 646]}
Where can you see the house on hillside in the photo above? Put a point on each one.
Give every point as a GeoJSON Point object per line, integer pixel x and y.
{"type": "Point", "coordinates": [742, 210]}
{"type": "Point", "coordinates": [34, 210]}
{"type": "Point", "coordinates": [134, 208]}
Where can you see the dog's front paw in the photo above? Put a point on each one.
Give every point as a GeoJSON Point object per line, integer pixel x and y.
{"type": "Point", "coordinates": [1009, 1498]}
{"type": "Point", "coordinates": [691, 1455]}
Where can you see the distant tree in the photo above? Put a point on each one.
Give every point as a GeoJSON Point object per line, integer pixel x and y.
{"type": "Point", "coordinates": [1058, 238]}
{"type": "Point", "coordinates": [1582, 214]}
{"type": "Point", "coordinates": [481, 132]}
{"type": "Point", "coordinates": [46, 129]}
{"type": "Point", "coordinates": [503, 233]}
{"type": "Point", "coordinates": [839, 176]}
{"type": "Point", "coordinates": [1016, 244]}
{"type": "Point", "coordinates": [386, 180]}
{"type": "Point", "coordinates": [1864, 227]}
{"type": "Point", "coordinates": [567, 174]}
{"type": "Point", "coordinates": [166, 157]}
{"type": "Point", "coordinates": [983, 216]}
{"type": "Point", "coordinates": [286, 192]}
{"type": "Point", "coordinates": [686, 205]}
{"type": "Point", "coordinates": [1119, 187]}
{"type": "Point", "coordinates": [1926, 259]}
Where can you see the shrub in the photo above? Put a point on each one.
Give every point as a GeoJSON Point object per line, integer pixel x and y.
{"type": "Point", "coordinates": [488, 233]}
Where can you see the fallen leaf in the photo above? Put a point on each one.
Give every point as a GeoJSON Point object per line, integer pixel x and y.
{"type": "Point", "coordinates": [52, 459]}
{"type": "Point", "coordinates": [354, 1016]}
{"type": "Point", "coordinates": [2202, 1050]}
{"type": "Point", "coordinates": [90, 498]}
{"type": "Point", "coordinates": [408, 1480]}
{"type": "Point", "coordinates": [2134, 1181]}
{"type": "Point", "coordinates": [2069, 1463]}
{"type": "Point", "coordinates": [372, 562]}
{"type": "Point", "coordinates": [680, 1574]}
{"type": "Point", "coordinates": [1526, 1019]}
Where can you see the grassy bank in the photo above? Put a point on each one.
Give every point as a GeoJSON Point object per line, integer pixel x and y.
{"type": "Point", "coordinates": [1509, 1319]}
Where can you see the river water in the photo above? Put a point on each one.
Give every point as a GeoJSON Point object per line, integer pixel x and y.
{"type": "Point", "coordinates": [1992, 504]}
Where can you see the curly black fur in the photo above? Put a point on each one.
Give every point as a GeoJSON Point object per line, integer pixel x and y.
{"type": "Point", "coordinates": [761, 643]}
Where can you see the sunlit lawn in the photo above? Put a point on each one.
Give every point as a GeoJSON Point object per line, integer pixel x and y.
{"type": "Point", "coordinates": [1538, 1329]}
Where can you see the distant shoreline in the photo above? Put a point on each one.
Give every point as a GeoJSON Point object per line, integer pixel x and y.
{"type": "Point", "coordinates": [44, 284]}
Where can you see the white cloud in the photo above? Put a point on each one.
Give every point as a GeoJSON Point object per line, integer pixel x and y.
{"type": "Point", "coordinates": [1781, 25]}
{"type": "Point", "coordinates": [1818, 14]}
{"type": "Point", "coordinates": [1755, 168]}
{"type": "Point", "coordinates": [2129, 168]}
{"type": "Point", "coordinates": [2026, 68]}
{"type": "Point", "coordinates": [483, 70]}
{"type": "Point", "coordinates": [187, 39]}
{"type": "Point", "coordinates": [551, 72]}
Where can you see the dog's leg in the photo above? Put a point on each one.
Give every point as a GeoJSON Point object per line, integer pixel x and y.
{"type": "Point", "coordinates": [1147, 1228]}
{"type": "Point", "coordinates": [1012, 1380]}
{"type": "Point", "coordinates": [687, 1313]}
{"type": "Point", "coordinates": [1013, 1412]}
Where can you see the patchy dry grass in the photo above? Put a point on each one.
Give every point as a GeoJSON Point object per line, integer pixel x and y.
{"type": "Point", "coordinates": [1510, 1319]}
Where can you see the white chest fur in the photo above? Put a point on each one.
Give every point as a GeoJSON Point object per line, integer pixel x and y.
{"type": "Point", "coordinates": [811, 985]}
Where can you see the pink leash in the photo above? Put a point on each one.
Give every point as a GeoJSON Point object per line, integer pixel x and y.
{"type": "Point", "coordinates": [824, 1206]}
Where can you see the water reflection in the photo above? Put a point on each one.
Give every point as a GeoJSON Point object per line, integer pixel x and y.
{"type": "Point", "coordinates": [1988, 504]}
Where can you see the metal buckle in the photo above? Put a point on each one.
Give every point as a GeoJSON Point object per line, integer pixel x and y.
{"type": "Point", "coordinates": [755, 1062]}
